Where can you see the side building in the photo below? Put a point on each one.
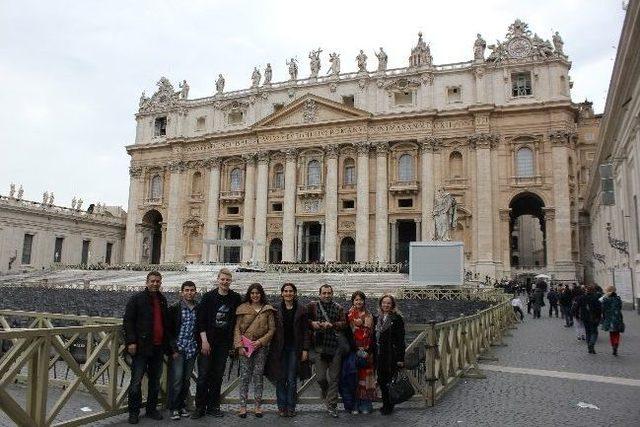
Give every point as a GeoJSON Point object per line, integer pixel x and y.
{"type": "Point", "coordinates": [35, 236]}
{"type": "Point", "coordinates": [346, 167]}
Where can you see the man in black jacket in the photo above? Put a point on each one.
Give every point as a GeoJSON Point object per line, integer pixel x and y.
{"type": "Point", "coordinates": [146, 338]}
{"type": "Point", "coordinates": [215, 322]}
{"type": "Point", "coordinates": [589, 311]}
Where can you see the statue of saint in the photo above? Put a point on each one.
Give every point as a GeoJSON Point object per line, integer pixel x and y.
{"type": "Point", "coordinates": [362, 62]}
{"type": "Point", "coordinates": [145, 248]}
{"type": "Point", "coordinates": [220, 84]}
{"type": "Point", "coordinates": [293, 69]}
{"type": "Point", "coordinates": [268, 74]}
{"type": "Point", "coordinates": [382, 60]}
{"type": "Point", "coordinates": [143, 99]}
{"type": "Point", "coordinates": [184, 92]}
{"type": "Point", "coordinates": [255, 77]}
{"type": "Point", "coordinates": [20, 193]}
{"type": "Point", "coordinates": [558, 44]}
{"type": "Point", "coordinates": [79, 205]}
{"type": "Point", "coordinates": [73, 203]}
{"type": "Point", "coordinates": [12, 190]}
{"type": "Point", "coordinates": [478, 48]}
{"type": "Point", "coordinates": [51, 199]}
{"type": "Point", "coordinates": [334, 59]}
{"type": "Point", "coordinates": [45, 197]}
{"type": "Point", "coordinates": [314, 56]}
{"type": "Point", "coordinates": [445, 215]}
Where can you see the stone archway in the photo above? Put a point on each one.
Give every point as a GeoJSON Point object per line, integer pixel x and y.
{"type": "Point", "coordinates": [527, 232]}
{"type": "Point", "coordinates": [151, 237]}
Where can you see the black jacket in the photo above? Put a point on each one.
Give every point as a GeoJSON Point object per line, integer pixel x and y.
{"type": "Point", "coordinates": [174, 323]}
{"type": "Point", "coordinates": [207, 312]}
{"type": "Point", "coordinates": [138, 322]}
{"type": "Point", "coordinates": [390, 344]}
{"type": "Point", "coordinates": [588, 309]}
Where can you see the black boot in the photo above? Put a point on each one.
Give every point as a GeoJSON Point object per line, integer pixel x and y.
{"type": "Point", "coordinates": [615, 350]}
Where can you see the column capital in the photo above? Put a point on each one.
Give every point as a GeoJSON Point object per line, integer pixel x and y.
{"type": "Point", "coordinates": [178, 166]}
{"type": "Point", "coordinates": [549, 214]}
{"type": "Point", "coordinates": [249, 157]}
{"type": "Point", "coordinates": [430, 144]}
{"type": "Point", "coordinates": [290, 153]}
{"type": "Point", "coordinates": [382, 147]}
{"type": "Point", "coordinates": [362, 147]}
{"type": "Point", "coordinates": [505, 214]}
{"type": "Point", "coordinates": [213, 162]}
{"type": "Point", "coordinates": [483, 140]}
{"type": "Point", "coordinates": [263, 157]}
{"type": "Point", "coordinates": [331, 151]}
{"type": "Point", "coordinates": [135, 171]}
{"type": "Point", "coordinates": [562, 136]}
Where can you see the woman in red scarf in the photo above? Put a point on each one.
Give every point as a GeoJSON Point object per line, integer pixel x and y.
{"type": "Point", "coordinates": [361, 323]}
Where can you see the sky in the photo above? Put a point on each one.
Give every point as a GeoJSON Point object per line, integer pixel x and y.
{"type": "Point", "coordinates": [72, 71]}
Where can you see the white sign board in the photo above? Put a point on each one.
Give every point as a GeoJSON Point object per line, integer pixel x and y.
{"type": "Point", "coordinates": [436, 263]}
{"type": "Point", "coordinates": [622, 282]}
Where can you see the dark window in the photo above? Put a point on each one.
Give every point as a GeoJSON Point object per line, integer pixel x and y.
{"type": "Point", "coordinates": [405, 203]}
{"type": "Point", "coordinates": [521, 84]}
{"type": "Point", "coordinates": [276, 207]}
{"type": "Point", "coordinates": [348, 204]}
{"type": "Point", "coordinates": [26, 248]}
{"type": "Point", "coordinates": [107, 255]}
{"type": "Point", "coordinates": [348, 100]}
{"type": "Point", "coordinates": [57, 251]}
{"type": "Point", "coordinates": [233, 210]}
{"type": "Point", "coordinates": [85, 252]}
{"type": "Point", "coordinates": [160, 128]}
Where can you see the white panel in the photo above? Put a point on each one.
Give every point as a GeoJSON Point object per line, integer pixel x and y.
{"type": "Point", "coordinates": [436, 263]}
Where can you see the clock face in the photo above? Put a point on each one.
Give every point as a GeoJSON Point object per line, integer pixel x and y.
{"type": "Point", "coordinates": [519, 47]}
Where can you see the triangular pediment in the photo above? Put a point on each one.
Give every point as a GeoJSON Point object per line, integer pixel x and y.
{"type": "Point", "coordinates": [311, 109]}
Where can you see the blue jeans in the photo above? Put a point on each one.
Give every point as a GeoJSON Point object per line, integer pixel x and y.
{"type": "Point", "coordinates": [568, 317]}
{"type": "Point", "coordinates": [287, 387]}
{"type": "Point", "coordinates": [364, 406]}
{"type": "Point", "coordinates": [151, 364]}
{"type": "Point", "coordinates": [179, 380]}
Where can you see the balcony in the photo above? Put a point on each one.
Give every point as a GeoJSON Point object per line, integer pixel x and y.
{"type": "Point", "coordinates": [526, 181]}
{"type": "Point", "coordinates": [404, 187]}
{"type": "Point", "coordinates": [153, 201]}
{"type": "Point", "coordinates": [231, 196]}
{"type": "Point", "coordinates": [310, 191]}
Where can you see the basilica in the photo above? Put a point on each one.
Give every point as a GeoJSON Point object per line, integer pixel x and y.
{"type": "Point", "coordinates": [347, 166]}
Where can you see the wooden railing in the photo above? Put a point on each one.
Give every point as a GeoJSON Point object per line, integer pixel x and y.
{"type": "Point", "coordinates": [37, 345]}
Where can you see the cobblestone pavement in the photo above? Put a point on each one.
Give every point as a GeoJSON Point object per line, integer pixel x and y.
{"type": "Point", "coordinates": [503, 399]}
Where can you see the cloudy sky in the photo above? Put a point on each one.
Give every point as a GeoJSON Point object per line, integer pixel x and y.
{"type": "Point", "coordinates": [72, 71]}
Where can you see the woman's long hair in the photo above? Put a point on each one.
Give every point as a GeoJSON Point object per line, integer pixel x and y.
{"type": "Point", "coordinates": [258, 286]}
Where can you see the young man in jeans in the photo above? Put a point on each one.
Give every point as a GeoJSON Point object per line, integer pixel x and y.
{"type": "Point", "coordinates": [215, 322]}
{"type": "Point", "coordinates": [146, 338]}
{"type": "Point", "coordinates": [184, 349]}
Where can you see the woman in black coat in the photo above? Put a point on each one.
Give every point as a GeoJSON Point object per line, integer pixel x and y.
{"type": "Point", "coordinates": [390, 346]}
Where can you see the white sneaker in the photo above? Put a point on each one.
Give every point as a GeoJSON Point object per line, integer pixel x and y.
{"type": "Point", "coordinates": [175, 415]}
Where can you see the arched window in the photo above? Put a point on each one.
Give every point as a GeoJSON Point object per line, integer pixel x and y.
{"type": "Point", "coordinates": [278, 177]}
{"type": "Point", "coordinates": [347, 250]}
{"type": "Point", "coordinates": [156, 187]}
{"type": "Point", "coordinates": [196, 183]}
{"type": "Point", "coordinates": [313, 173]}
{"type": "Point", "coordinates": [236, 180]}
{"type": "Point", "coordinates": [455, 164]}
{"type": "Point", "coordinates": [405, 168]}
{"type": "Point", "coordinates": [349, 177]}
{"type": "Point", "coordinates": [524, 162]}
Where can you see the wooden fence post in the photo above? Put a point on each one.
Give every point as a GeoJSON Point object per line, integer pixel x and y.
{"type": "Point", "coordinates": [432, 354]}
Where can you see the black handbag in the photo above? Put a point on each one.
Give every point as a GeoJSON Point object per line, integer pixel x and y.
{"type": "Point", "coordinates": [400, 388]}
{"type": "Point", "coordinates": [304, 370]}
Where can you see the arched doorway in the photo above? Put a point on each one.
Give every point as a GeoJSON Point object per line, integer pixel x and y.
{"type": "Point", "coordinates": [527, 234]}
{"type": "Point", "coordinates": [275, 251]}
{"type": "Point", "coordinates": [347, 250]}
{"type": "Point", "coordinates": [151, 237]}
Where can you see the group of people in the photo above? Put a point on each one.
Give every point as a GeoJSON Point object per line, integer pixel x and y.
{"type": "Point", "coordinates": [354, 352]}
{"type": "Point", "coordinates": [585, 307]}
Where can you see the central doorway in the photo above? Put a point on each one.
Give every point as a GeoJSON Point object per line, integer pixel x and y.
{"type": "Point", "coordinates": [232, 253]}
{"type": "Point", "coordinates": [311, 249]}
{"type": "Point", "coordinates": [152, 243]}
{"type": "Point", "coordinates": [406, 235]}
{"type": "Point", "coordinates": [527, 232]}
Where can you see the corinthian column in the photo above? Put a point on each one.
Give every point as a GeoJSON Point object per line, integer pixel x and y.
{"type": "Point", "coordinates": [262, 189]}
{"type": "Point", "coordinates": [427, 187]}
{"type": "Point", "coordinates": [382, 206]}
{"type": "Point", "coordinates": [173, 212]}
{"type": "Point", "coordinates": [362, 212]}
{"type": "Point", "coordinates": [331, 204]}
{"type": "Point", "coordinates": [249, 204]}
{"type": "Point", "coordinates": [213, 207]}
{"type": "Point", "coordinates": [136, 191]}
{"type": "Point", "coordinates": [289, 207]}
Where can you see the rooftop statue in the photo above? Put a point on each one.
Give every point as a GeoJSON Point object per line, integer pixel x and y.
{"type": "Point", "coordinates": [45, 197]}
{"type": "Point", "coordinates": [184, 92]}
{"type": "Point", "coordinates": [314, 56]}
{"type": "Point", "coordinates": [293, 69]}
{"type": "Point", "coordinates": [558, 43]}
{"type": "Point", "coordinates": [220, 84]}
{"type": "Point", "coordinates": [20, 193]}
{"type": "Point", "coordinates": [255, 77]}
{"type": "Point", "coordinates": [12, 190]}
{"type": "Point", "coordinates": [382, 59]}
{"type": "Point", "coordinates": [334, 59]}
{"type": "Point", "coordinates": [479, 47]}
{"type": "Point", "coordinates": [362, 62]}
{"type": "Point", "coordinates": [268, 74]}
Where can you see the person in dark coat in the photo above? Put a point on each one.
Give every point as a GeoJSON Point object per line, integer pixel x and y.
{"type": "Point", "coordinates": [589, 311]}
{"type": "Point", "coordinates": [390, 347]}
{"type": "Point", "coordinates": [552, 297]}
{"type": "Point", "coordinates": [565, 299]}
{"type": "Point", "coordinates": [537, 302]}
{"type": "Point", "coordinates": [612, 320]}
{"type": "Point", "coordinates": [289, 348]}
{"type": "Point", "coordinates": [147, 339]}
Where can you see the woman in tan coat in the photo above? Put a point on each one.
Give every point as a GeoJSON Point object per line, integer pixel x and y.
{"type": "Point", "coordinates": [255, 326]}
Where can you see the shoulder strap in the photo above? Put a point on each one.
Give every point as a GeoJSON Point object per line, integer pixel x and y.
{"type": "Point", "coordinates": [253, 320]}
{"type": "Point", "coordinates": [324, 313]}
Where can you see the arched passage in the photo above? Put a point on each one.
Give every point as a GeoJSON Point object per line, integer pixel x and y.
{"type": "Point", "coordinates": [347, 250]}
{"type": "Point", "coordinates": [527, 244]}
{"type": "Point", "coordinates": [151, 237]}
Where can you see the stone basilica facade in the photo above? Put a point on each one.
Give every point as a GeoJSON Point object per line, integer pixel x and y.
{"type": "Point", "coordinates": [345, 167]}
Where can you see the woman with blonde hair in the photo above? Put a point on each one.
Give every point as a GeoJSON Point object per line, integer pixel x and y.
{"type": "Point", "coordinates": [612, 317]}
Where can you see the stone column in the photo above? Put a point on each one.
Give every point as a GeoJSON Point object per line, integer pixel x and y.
{"type": "Point", "coordinates": [382, 204]}
{"type": "Point", "coordinates": [427, 187]}
{"type": "Point", "coordinates": [331, 204]}
{"type": "Point", "coordinates": [322, 240]}
{"type": "Point", "coordinates": [564, 265]}
{"type": "Point", "coordinates": [289, 207]}
{"type": "Point", "coordinates": [249, 204]}
{"type": "Point", "coordinates": [549, 234]}
{"type": "Point", "coordinates": [300, 247]}
{"type": "Point", "coordinates": [394, 240]}
{"type": "Point", "coordinates": [479, 73]}
{"type": "Point", "coordinates": [418, 226]}
{"type": "Point", "coordinates": [173, 212]}
{"type": "Point", "coordinates": [505, 225]}
{"type": "Point", "coordinates": [262, 191]}
{"type": "Point", "coordinates": [362, 208]}
{"type": "Point", "coordinates": [483, 143]}
{"type": "Point", "coordinates": [136, 192]}
{"type": "Point", "coordinates": [213, 211]}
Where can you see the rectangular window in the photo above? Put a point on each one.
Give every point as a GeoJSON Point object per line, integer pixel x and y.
{"type": "Point", "coordinates": [236, 117]}
{"type": "Point", "coordinates": [405, 203]}
{"type": "Point", "coordinates": [521, 84]}
{"type": "Point", "coordinates": [403, 98]}
{"type": "Point", "coordinates": [200, 122]}
{"type": "Point", "coordinates": [57, 250]}
{"type": "Point", "coordinates": [454, 94]}
{"type": "Point", "coordinates": [277, 107]}
{"type": "Point", "coordinates": [160, 127]}
{"type": "Point", "coordinates": [233, 210]}
{"type": "Point", "coordinates": [26, 249]}
{"type": "Point", "coordinates": [85, 252]}
{"type": "Point", "coordinates": [348, 204]}
{"type": "Point", "coordinates": [276, 207]}
{"type": "Point", "coordinates": [348, 100]}
{"type": "Point", "coordinates": [107, 254]}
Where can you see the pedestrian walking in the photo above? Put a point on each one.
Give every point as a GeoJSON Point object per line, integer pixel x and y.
{"type": "Point", "coordinates": [517, 305]}
{"type": "Point", "coordinates": [565, 306]}
{"type": "Point", "coordinates": [612, 320]}
{"type": "Point", "coordinates": [361, 323]}
{"type": "Point", "coordinates": [553, 297]}
{"type": "Point", "coordinates": [590, 311]}
{"type": "Point", "coordinates": [390, 347]}
{"type": "Point", "coordinates": [215, 323]}
{"type": "Point", "coordinates": [578, 292]}
{"type": "Point", "coordinates": [184, 349]}
{"type": "Point", "coordinates": [146, 338]}
{"type": "Point", "coordinates": [537, 302]}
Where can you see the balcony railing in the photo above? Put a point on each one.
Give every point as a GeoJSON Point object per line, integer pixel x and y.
{"type": "Point", "coordinates": [310, 190]}
{"type": "Point", "coordinates": [232, 196]}
{"type": "Point", "coordinates": [404, 187]}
